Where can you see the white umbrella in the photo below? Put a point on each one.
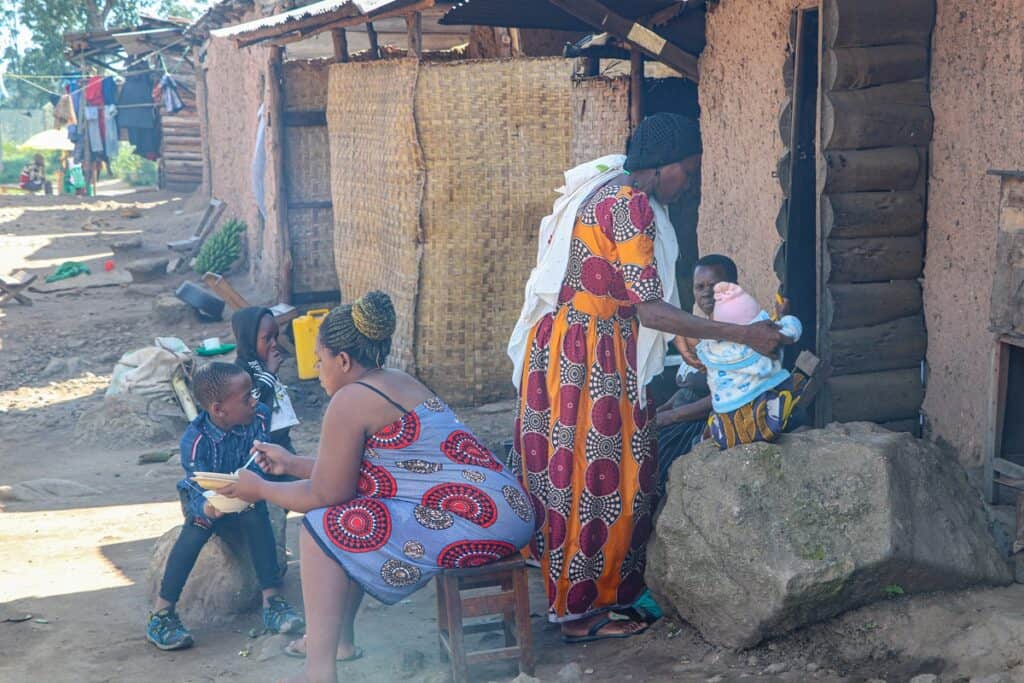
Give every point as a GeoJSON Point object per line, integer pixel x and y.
{"type": "Point", "coordinates": [52, 139]}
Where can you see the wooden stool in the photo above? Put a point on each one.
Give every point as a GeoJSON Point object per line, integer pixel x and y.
{"type": "Point", "coordinates": [512, 602]}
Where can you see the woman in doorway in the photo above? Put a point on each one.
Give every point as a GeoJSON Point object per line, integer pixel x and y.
{"type": "Point", "coordinates": [592, 333]}
{"type": "Point", "coordinates": [400, 490]}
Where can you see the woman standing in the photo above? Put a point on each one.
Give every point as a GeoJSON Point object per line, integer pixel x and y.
{"type": "Point", "coordinates": [592, 334]}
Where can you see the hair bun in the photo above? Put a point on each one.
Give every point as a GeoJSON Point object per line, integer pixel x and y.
{"type": "Point", "coordinates": [374, 316]}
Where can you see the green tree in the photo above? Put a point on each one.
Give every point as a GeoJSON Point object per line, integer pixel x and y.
{"type": "Point", "coordinates": [47, 21]}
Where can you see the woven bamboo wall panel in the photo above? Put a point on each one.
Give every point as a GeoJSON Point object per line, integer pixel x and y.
{"type": "Point", "coordinates": [308, 163]}
{"type": "Point", "coordinates": [377, 178]}
{"type": "Point", "coordinates": [305, 84]}
{"type": "Point", "coordinates": [600, 117]}
{"type": "Point", "coordinates": [495, 138]}
{"type": "Point", "coordinates": [312, 241]}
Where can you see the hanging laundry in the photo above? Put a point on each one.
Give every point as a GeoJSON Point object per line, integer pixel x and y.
{"type": "Point", "coordinates": [94, 91]}
{"type": "Point", "coordinates": [111, 139]}
{"type": "Point", "coordinates": [93, 121]}
{"type": "Point", "coordinates": [136, 112]}
{"type": "Point", "coordinates": [259, 162]}
{"type": "Point", "coordinates": [166, 92]}
{"type": "Point", "coordinates": [109, 90]}
{"type": "Point", "coordinates": [64, 112]}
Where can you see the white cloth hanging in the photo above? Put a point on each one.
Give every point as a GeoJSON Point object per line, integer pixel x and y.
{"type": "Point", "coordinates": [553, 250]}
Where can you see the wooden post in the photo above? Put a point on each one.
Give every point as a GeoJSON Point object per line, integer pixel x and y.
{"type": "Point", "coordinates": [636, 87]}
{"type": "Point", "coordinates": [340, 40]}
{"type": "Point", "coordinates": [83, 134]}
{"type": "Point", "coordinates": [414, 27]}
{"type": "Point", "coordinates": [275, 128]}
{"type": "Point", "coordinates": [371, 33]}
{"type": "Point", "coordinates": [590, 67]}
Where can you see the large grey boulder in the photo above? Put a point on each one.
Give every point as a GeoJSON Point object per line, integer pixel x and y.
{"type": "Point", "coordinates": [759, 540]}
{"type": "Point", "coordinates": [222, 584]}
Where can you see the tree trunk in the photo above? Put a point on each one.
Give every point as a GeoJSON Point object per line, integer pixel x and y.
{"type": "Point", "coordinates": [897, 344]}
{"type": "Point", "coordinates": [883, 116]}
{"type": "Point", "coordinates": [861, 67]}
{"type": "Point", "coordinates": [877, 396]}
{"type": "Point", "coordinates": [859, 23]}
{"type": "Point", "coordinates": [871, 214]}
{"type": "Point", "coordinates": [873, 303]}
{"type": "Point", "coordinates": [875, 259]}
{"type": "Point", "coordinates": [886, 169]}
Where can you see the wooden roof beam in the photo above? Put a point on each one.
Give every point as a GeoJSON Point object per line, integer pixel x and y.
{"type": "Point", "coordinates": [310, 26]}
{"type": "Point", "coordinates": [642, 36]}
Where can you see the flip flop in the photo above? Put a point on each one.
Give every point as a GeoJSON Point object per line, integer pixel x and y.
{"type": "Point", "coordinates": [292, 652]}
{"type": "Point", "coordinates": [592, 634]}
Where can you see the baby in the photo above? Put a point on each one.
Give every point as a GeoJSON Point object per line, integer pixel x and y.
{"type": "Point", "coordinates": [753, 395]}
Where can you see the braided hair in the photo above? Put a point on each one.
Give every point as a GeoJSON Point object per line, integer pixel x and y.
{"type": "Point", "coordinates": [210, 383]}
{"type": "Point", "coordinates": [361, 329]}
{"type": "Point", "coordinates": [662, 139]}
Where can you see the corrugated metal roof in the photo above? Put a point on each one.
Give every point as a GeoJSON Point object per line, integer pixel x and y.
{"type": "Point", "coordinates": [686, 30]}
{"type": "Point", "coordinates": [326, 8]}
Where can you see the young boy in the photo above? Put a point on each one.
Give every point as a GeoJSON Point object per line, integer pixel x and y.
{"type": "Point", "coordinates": [220, 440]}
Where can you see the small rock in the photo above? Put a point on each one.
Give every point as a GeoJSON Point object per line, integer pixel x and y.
{"type": "Point", "coordinates": [130, 212]}
{"type": "Point", "coordinates": [148, 269]}
{"type": "Point", "coordinates": [812, 667]}
{"type": "Point", "coordinates": [753, 661]}
{"type": "Point", "coordinates": [126, 244]}
{"type": "Point", "coordinates": [525, 678]}
{"type": "Point", "coordinates": [170, 310]}
{"type": "Point", "coordinates": [570, 673]}
{"type": "Point", "coordinates": [715, 679]}
{"type": "Point", "coordinates": [63, 367]}
{"type": "Point", "coordinates": [925, 678]}
{"type": "Point", "coordinates": [35, 490]}
{"type": "Point", "coordinates": [994, 678]}
{"type": "Point", "coordinates": [776, 668]}
{"type": "Point", "coordinates": [588, 671]}
{"type": "Point", "coordinates": [410, 663]}
{"type": "Point", "coordinates": [271, 646]}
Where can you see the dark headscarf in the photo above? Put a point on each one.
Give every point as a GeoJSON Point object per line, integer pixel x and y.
{"type": "Point", "coordinates": [662, 139]}
{"type": "Point", "coordinates": [246, 325]}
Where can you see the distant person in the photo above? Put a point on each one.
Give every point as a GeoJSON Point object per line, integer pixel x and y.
{"type": "Point", "coordinates": [33, 176]}
{"type": "Point", "coordinates": [400, 488]}
{"type": "Point", "coordinates": [220, 440]}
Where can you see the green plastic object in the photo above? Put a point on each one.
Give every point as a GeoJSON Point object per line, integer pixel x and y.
{"type": "Point", "coordinates": [68, 269]}
{"type": "Point", "coordinates": [223, 348]}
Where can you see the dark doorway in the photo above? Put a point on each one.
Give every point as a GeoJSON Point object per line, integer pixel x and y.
{"type": "Point", "coordinates": [679, 96]}
{"type": "Point", "coordinates": [800, 276]}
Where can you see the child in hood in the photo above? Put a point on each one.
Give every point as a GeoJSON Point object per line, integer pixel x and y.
{"type": "Point", "coordinates": [256, 334]}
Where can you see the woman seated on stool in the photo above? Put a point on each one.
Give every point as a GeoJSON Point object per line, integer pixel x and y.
{"type": "Point", "coordinates": [400, 489]}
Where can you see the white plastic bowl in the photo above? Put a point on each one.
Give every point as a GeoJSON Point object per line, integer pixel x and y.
{"type": "Point", "coordinates": [225, 504]}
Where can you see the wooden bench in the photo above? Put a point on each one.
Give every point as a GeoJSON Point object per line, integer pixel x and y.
{"type": "Point", "coordinates": [511, 601]}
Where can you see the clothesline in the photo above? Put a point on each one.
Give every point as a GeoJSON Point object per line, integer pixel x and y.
{"type": "Point", "coordinates": [119, 106]}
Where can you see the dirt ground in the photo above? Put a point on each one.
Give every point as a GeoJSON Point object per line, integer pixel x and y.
{"type": "Point", "coordinates": [75, 553]}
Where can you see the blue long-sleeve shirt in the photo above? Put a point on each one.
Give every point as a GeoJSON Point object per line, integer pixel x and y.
{"type": "Point", "coordinates": [205, 447]}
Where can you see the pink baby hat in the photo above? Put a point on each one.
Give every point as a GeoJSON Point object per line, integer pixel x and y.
{"type": "Point", "coordinates": [733, 305]}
